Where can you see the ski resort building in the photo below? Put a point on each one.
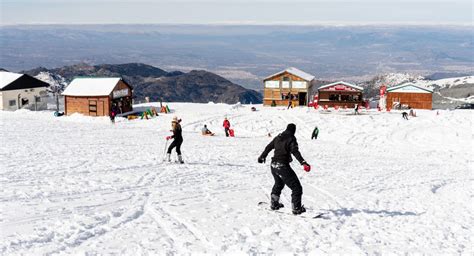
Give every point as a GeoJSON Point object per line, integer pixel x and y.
{"type": "Point", "coordinates": [340, 94]}
{"type": "Point", "coordinates": [409, 95]}
{"type": "Point", "coordinates": [289, 84]}
{"type": "Point", "coordinates": [95, 96]}
{"type": "Point", "coordinates": [20, 91]}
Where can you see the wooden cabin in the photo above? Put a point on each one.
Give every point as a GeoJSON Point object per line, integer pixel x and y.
{"type": "Point", "coordinates": [95, 96]}
{"type": "Point", "coordinates": [409, 95]}
{"type": "Point", "coordinates": [21, 91]}
{"type": "Point", "coordinates": [340, 94]}
{"type": "Point", "coordinates": [289, 84]}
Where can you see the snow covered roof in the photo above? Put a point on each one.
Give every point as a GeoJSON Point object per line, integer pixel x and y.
{"type": "Point", "coordinates": [408, 86]}
{"type": "Point", "coordinates": [7, 78]}
{"type": "Point", "coordinates": [91, 86]}
{"type": "Point", "coordinates": [296, 72]}
{"type": "Point", "coordinates": [344, 83]}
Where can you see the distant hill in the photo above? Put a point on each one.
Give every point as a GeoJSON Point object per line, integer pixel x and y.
{"type": "Point", "coordinates": [158, 84]}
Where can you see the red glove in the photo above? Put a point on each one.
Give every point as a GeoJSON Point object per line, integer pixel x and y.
{"type": "Point", "coordinates": [307, 167]}
{"type": "Point", "coordinates": [168, 137]}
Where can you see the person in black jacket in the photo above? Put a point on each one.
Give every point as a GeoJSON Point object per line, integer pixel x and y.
{"type": "Point", "coordinates": [285, 145]}
{"type": "Point", "coordinates": [178, 139]}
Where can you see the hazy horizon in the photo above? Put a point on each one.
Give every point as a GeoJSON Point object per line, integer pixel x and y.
{"type": "Point", "coordinates": [259, 12]}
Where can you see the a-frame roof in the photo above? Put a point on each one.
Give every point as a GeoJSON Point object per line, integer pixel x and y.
{"type": "Point", "coordinates": [14, 81]}
{"type": "Point", "coordinates": [341, 82]}
{"type": "Point", "coordinates": [409, 84]}
{"type": "Point", "coordinates": [294, 71]}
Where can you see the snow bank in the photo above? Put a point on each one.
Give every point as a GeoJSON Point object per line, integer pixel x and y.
{"type": "Point", "coordinates": [80, 185]}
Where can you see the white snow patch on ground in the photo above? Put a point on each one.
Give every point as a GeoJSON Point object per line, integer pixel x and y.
{"type": "Point", "coordinates": [80, 185]}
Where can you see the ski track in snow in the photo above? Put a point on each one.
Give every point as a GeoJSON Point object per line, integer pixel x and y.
{"type": "Point", "coordinates": [80, 185]}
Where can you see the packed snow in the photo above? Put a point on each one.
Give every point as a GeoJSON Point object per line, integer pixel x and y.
{"type": "Point", "coordinates": [448, 82]}
{"type": "Point", "coordinates": [82, 185]}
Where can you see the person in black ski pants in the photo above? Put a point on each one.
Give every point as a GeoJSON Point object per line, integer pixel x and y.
{"type": "Point", "coordinates": [177, 140]}
{"type": "Point", "coordinates": [284, 145]}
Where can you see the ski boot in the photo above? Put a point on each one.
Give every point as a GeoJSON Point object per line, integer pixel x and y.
{"type": "Point", "coordinates": [180, 159]}
{"type": "Point", "coordinates": [298, 209]}
{"type": "Point", "coordinates": [168, 157]}
{"type": "Point", "coordinates": [275, 204]}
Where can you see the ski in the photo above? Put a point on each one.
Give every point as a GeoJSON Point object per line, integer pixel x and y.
{"type": "Point", "coordinates": [265, 206]}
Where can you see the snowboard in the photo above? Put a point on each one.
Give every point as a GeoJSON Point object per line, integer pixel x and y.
{"type": "Point", "coordinates": [304, 215]}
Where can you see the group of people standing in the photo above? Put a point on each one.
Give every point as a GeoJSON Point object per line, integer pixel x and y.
{"type": "Point", "coordinates": [284, 145]}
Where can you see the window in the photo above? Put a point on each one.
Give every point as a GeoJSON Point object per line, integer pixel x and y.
{"type": "Point", "coordinates": [12, 103]}
{"type": "Point", "coordinates": [38, 99]}
{"type": "Point", "coordinates": [333, 97]}
{"type": "Point", "coordinates": [286, 78]}
{"type": "Point", "coordinates": [287, 96]}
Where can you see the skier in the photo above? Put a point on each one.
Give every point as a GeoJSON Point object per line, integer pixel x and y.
{"type": "Point", "coordinates": [226, 125]}
{"type": "Point", "coordinates": [178, 139]}
{"type": "Point", "coordinates": [356, 109]}
{"type": "Point", "coordinates": [315, 133]}
{"type": "Point", "coordinates": [285, 144]}
{"type": "Point", "coordinates": [405, 115]}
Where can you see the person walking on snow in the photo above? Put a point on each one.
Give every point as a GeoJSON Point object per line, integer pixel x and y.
{"type": "Point", "coordinates": [177, 139]}
{"type": "Point", "coordinates": [315, 133]}
{"type": "Point", "coordinates": [405, 115]}
{"type": "Point", "coordinates": [226, 125]}
{"type": "Point", "coordinates": [285, 145]}
{"type": "Point", "coordinates": [356, 109]}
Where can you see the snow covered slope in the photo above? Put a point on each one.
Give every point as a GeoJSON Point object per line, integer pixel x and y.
{"type": "Point", "coordinates": [79, 185]}
{"type": "Point", "coordinates": [448, 82]}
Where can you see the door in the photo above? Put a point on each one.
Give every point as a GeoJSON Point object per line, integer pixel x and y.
{"type": "Point", "coordinates": [302, 98]}
{"type": "Point", "coordinates": [100, 108]}
{"type": "Point", "coordinates": [92, 107]}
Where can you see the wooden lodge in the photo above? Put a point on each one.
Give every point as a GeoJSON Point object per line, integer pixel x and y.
{"type": "Point", "coordinates": [340, 94]}
{"type": "Point", "coordinates": [409, 95]}
{"type": "Point", "coordinates": [95, 96]}
{"type": "Point", "coordinates": [289, 84]}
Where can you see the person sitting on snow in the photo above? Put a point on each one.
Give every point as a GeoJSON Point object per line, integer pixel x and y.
{"type": "Point", "coordinates": [206, 132]}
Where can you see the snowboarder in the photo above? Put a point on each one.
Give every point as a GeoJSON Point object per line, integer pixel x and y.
{"type": "Point", "coordinates": [405, 115]}
{"type": "Point", "coordinates": [226, 125]}
{"type": "Point", "coordinates": [178, 139]}
{"type": "Point", "coordinates": [285, 144]}
{"type": "Point", "coordinates": [315, 133]}
{"type": "Point", "coordinates": [206, 132]}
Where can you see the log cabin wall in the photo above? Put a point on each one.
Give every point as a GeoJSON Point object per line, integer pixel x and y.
{"type": "Point", "coordinates": [284, 83]}
{"type": "Point", "coordinates": [88, 106]}
{"type": "Point", "coordinates": [413, 100]}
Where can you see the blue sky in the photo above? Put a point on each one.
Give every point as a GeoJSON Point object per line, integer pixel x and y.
{"type": "Point", "coordinates": [237, 11]}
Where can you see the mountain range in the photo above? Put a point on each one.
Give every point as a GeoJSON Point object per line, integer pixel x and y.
{"type": "Point", "coordinates": [204, 86]}
{"type": "Point", "coordinates": [158, 84]}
